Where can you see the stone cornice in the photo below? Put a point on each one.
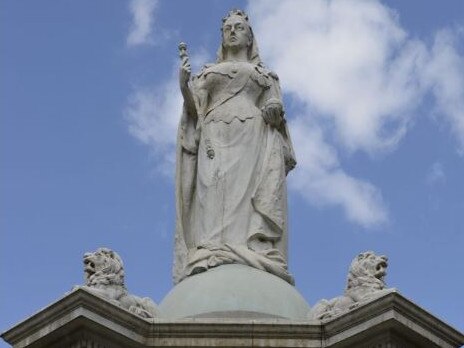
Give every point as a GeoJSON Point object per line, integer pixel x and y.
{"type": "Point", "coordinates": [395, 312]}
{"type": "Point", "coordinates": [74, 306]}
{"type": "Point", "coordinates": [82, 310]}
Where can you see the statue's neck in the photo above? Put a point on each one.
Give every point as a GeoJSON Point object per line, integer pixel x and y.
{"type": "Point", "coordinates": [240, 55]}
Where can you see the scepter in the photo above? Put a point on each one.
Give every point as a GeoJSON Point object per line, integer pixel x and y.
{"type": "Point", "coordinates": [183, 50]}
{"type": "Point", "coordinates": [190, 103]}
{"type": "Point", "coordinates": [187, 94]}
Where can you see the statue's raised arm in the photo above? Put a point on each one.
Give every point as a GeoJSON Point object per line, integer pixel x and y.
{"type": "Point", "coordinates": [233, 154]}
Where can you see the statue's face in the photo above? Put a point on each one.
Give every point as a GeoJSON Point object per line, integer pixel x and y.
{"type": "Point", "coordinates": [236, 33]}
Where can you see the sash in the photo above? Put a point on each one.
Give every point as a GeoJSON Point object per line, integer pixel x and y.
{"type": "Point", "coordinates": [232, 89]}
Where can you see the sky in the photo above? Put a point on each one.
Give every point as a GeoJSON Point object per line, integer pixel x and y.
{"type": "Point", "coordinates": [89, 106]}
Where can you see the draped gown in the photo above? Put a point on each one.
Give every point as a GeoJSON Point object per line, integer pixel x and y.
{"type": "Point", "coordinates": [230, 177]}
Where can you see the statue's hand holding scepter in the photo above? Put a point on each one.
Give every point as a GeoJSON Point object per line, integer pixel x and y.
{"type": "Point", "coordinates": [185, 72]}
{"type": "Point", "coordinates": [185, 69]}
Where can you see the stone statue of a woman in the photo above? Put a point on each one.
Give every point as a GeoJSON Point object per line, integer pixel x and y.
{"type": "Point", "coordinates": [233, 155]}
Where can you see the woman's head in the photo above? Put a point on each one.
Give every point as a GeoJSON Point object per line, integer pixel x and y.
{"type": "Point", "coordinates": [237, 35]}
{"type": "Point", "coordinates": [236, 32]}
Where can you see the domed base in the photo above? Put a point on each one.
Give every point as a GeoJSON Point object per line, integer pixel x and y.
{"type": "Point", "coordinates": [234, 291]}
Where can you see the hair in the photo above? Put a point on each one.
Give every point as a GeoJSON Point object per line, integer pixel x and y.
{"type": "Point", "coordinates": [253, 53]}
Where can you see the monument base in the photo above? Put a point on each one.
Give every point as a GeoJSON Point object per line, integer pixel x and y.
{"type": "Point", "coordinates": [82, 319]}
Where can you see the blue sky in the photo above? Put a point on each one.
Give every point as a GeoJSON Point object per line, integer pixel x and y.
{"type": "Point", "coordinates": [374, 95]}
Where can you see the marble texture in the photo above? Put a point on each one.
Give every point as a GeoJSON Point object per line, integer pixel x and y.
{"type": "Point", "coordinates": [104, 276]}
{"type": "Point", "coordinates": [366, 281]}
{"type": "Point", "coordinates": [233, 155]}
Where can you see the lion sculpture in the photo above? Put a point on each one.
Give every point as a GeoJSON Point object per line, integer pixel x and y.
{"type": "Point", "coordinates": [366, 281]}
{"type": "Point", "coordinates": [104, 276]}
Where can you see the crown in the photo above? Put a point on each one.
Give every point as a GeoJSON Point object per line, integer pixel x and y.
{"type": "Point", "coordinates": [235, 12]}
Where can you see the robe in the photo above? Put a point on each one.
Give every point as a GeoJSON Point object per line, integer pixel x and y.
{"type": "Point", "coordinates": [231, 166]}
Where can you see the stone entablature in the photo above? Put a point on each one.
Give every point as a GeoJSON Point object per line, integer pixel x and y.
{"type": "Point", "coordinates": [81, 319]}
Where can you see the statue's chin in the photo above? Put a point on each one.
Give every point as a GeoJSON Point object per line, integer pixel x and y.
{"type": "Point", "coordinates": [234, 45]}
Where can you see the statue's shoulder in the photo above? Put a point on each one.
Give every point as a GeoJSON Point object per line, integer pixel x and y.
{"type": "Point", "coordinates": [269, 73]}
{"type": "Point", "coordinates": [264, 76]}
{"type": "Point", "coordinates": [205, 69]}
{"type": "Point", "coordinates": [273, 75]}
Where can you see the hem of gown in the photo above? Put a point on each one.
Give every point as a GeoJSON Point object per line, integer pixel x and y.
{"type": "Point", "coordinates": [209, 256]}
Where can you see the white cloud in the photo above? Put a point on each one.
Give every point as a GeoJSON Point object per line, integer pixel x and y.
{"type": "Point", "coordinates": [321, 180]}
{"type": "Point", "coordinates": [444, 74]}
{"type": "Point", "coordinates": [143, 12]}
{"type": "Point", "coordinates": [153, 114]}
{"type": "Point", "coordinates": [349, 61]}
{"type": "Point", "coordinates": [357, 78]}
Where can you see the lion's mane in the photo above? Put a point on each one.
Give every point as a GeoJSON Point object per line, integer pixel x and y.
{"type": "Point", "coordinates": [365, 281]}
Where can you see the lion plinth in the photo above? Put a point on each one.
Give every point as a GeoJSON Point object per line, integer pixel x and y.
{"type": "Point", "coordinates": [104, 276]}
{"type": "Point", "coordinates": [366, 281]}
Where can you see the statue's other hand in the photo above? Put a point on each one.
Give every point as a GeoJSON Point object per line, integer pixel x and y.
{"type": "Point", "coordinates": [272, 113]}
{"type": "Point", "coordinates": [184, 72]}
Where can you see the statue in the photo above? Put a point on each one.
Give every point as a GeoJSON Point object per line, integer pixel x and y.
{"type": "Point", "coordinates": [366, 282]}
{"type": "Point", "coordinates": [233, 155]}
{"type": "Point", "coordinates": [104, 277]}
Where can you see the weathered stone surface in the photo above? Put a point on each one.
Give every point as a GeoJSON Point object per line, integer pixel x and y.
{"type": "Point", "coordinates": [234, 291]}
{"type": "Point", "coordinates": [104, 276]}
{"type": "Point", "coordinates": [82, 319]}
{"type": "Point", "coordinates": [233, 154]}
{"type": "Point", "coordinates": [366, 281]}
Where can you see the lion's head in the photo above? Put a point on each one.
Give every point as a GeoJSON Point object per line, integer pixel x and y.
{"type": "Point", "coordinates": [103, 267]}
{"type": "Point", "coordinates": [368, 270]}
